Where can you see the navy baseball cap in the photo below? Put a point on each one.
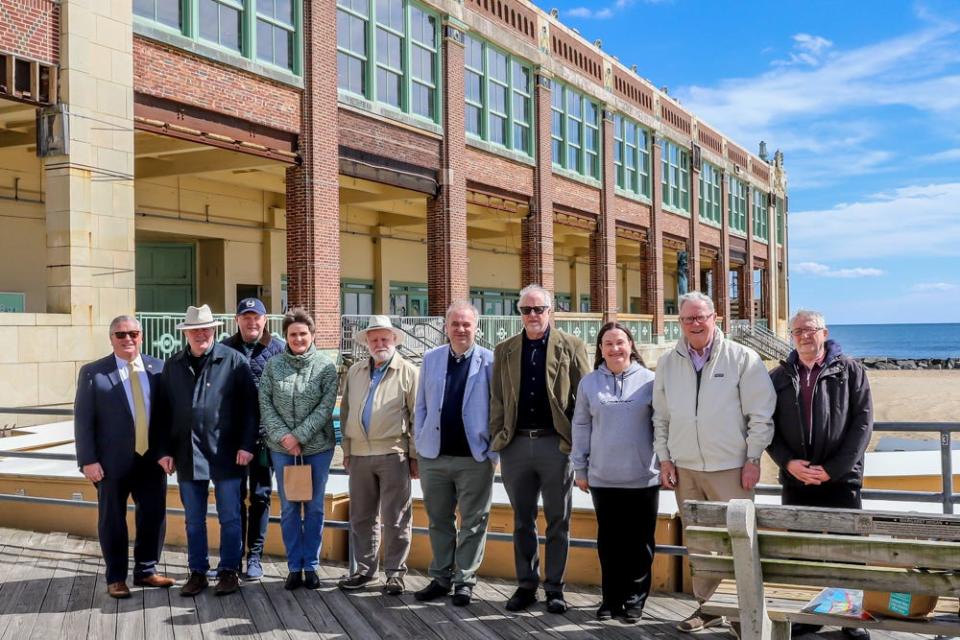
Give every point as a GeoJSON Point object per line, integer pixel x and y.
{"type": "Point", "coordinates": [251, 305]}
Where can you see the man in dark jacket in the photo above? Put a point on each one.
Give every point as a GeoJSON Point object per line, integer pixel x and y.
{"type": "Point", "coordinates": [254, 342]}
{"type": "Point", "coordinates": [206, 428]}
{"type": "Point", "coordinates": [823, 422]}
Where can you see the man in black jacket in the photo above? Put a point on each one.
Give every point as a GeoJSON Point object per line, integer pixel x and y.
{"type": "Point", "coordinates": [823, 422]}
{"type": "Point", "coordinates": [206, 428]}
{"type": "Point", "coordinates": [254, 342]}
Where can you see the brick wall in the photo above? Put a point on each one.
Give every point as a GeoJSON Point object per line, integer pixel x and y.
{"type": "Point", "coordinates": [709, 235]}
{"type": "Point", "coordinates": [536, 231]}
{"type": "Point", "coordinates": [165, 72]}
{"type": "Point", "coordinates": [496, 171]}
{"type": "Point", "coordinates": [631, 211]}
{"type": "Point", "coordinates": [31, 29]}
{"type": "Point", "coordinates": [375, 136]}
{"type": "Point", "coordinates": [675, 225]}
{"type": "Point", "coordinates": [576, 195]}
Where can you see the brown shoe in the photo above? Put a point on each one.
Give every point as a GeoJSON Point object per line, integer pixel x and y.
{"type": "Point", "coordinates": [196, 584]}
{"type": "Point", "coordinates": [118, 590]}
{"type": "Point", "coordinates": [227, 582]}
{"type": "Point", "coordinates": [154, 580]}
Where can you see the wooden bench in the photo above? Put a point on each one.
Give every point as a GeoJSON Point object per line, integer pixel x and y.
{"type": "Point", "coordinates": [754, 544]}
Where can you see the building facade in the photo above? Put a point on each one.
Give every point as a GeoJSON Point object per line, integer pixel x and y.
{"type": "Point", "coordinates": [352, 156]}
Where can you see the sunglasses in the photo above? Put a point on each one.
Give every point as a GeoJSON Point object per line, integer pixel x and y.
{"type": "Point", "coordinates": [538, 310]}
{"type": "Point", "coordinates": [123, 335]}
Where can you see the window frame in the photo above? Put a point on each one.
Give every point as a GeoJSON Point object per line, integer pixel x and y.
{"type": "Point", "coordinates": [737, 216]}
{"type": "Point", "coordinates": [711, 194]}
{"type": "Point", "coordinates": [675, 196]}
{"type": "Point", "coordinates": [761, 222]}
{"type": "Point", "coordinates": [583, 154]}
{"type": "Point", "coordinates": [781, 220]}
{"type": "Point", "coordinates": [639, 185]}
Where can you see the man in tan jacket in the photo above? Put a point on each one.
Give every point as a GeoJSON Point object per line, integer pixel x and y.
{"type": "Point", "coordinates": [532, 396]}
{"type": "Point", "coordinates": [378, 452]}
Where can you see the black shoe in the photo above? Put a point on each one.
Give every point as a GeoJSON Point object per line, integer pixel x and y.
{"type": "Point", "coordinates": [798, 629]}
{"type": "Point", "coordinates": [521, 599]}
{"type": "Point", "coordinates": [195, 584]}
{"type": "Point", "coordinates": [633, 609]}
{"type": "Point", "coordinates": [462, 595]}
{"type": "Point", "coordinates": [310, 579]}
{"type": "Point", "coordinates": [856, 634]}
{"type": "Point", "coordinates": [227, 582]}
{"type": "Point", "coordinates": [432, 591]}
{"type": "Point", "coordinates": [555, 602]}
{"type": "Point", "coordinates": [605, 612]}
{"type": "Point", "coordinates": [294, 580]}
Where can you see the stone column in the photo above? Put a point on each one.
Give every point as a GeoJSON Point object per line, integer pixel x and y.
{"type": "Point", "coordinates": [447, 278]}
{"type": "Point", "coordinates": [693, 244]}
{"type": "Point", "coordinates": [313, 194]}
{"type": "Point", "coordinates": [653, 250]}
{"type": "Point", "coordinates": [746, 294]}
{"type": "Point", "coordinates": [89, 190]}
{"type": "Point", "coordinates": [603, 241]}
{"type": "Point", "coordinates": [536, 242]}
{"type": "Point", "coordinates": [721, 283]}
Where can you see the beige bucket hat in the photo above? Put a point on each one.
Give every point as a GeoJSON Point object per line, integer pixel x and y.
{"type": "Point", "coordinates": [198, 318]}
{"type": "Point", "coordinates": [379, 322]}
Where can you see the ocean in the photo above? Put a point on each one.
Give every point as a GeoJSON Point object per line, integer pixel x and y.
{"type": "Point", "coordinates": [898, 340]}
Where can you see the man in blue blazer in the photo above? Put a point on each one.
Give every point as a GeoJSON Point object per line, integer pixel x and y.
{"type": "Point", "coordinates": [111, 425]}
{"type": "Point", "coordinates": [452, 436]}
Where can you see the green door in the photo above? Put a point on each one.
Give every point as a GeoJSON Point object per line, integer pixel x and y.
{"type": "Point", "coordinates": [165, 277]}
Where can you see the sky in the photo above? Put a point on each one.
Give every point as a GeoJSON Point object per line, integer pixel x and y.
{"type": "Point", "coordinates": [862, 97]}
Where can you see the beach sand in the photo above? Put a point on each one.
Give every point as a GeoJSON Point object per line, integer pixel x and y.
{"type": "Point", "coordinates": [905, 396]}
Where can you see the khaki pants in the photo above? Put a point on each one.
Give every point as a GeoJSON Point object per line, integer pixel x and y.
{"type": "Point", "coordinates": [716, 486]}
{"type": "Point", "coordinates": [380, 492]}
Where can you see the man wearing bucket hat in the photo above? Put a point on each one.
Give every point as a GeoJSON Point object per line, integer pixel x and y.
{"type": "Point", "coordinates": [206, 419]}
{"type": "Point", "coordinates": [379, 454]}
{"type": "Point", "coordinates": [254, 342]}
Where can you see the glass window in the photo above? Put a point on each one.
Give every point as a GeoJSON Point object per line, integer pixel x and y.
{"type": "Point", "coordinates": [575, 131]}
{"type": "Point", "coordinates": [676, 176]}
{"type": "Point", "coordinates": [423, 59]}
{"type": "Point", "coordinates": [780, 220]}
{"type": "Point", "coordinates": [352, 23]}
{"type": "Point", "coordinates": [631, 156]}
{"type": "Point", "coordinates": [711, 205]}
{"type": "Point", "coordinates": [761, 225]}
{"type": "Point", "coordinates": [498, 95]}
{"type": "Point", "coordinates": [473, 79]}
{"type": "Point", "coordinates": [220, 22]}
{"type": "Point", "coordinates": [165, 12]}
{"type": "Point", "coordinates": [275, 32]}
{"type": "Point", "coordinates": [738, 205]}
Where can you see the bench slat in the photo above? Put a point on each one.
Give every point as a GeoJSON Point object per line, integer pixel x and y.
{"type": "Point", "coordinates": [932, 554]}
{"type": "Point", "coordinates": [726, 605]}
{"type": "Point", "coordinates": [849, 521]}
{"type": "Point", "coordinates": [839, 575]}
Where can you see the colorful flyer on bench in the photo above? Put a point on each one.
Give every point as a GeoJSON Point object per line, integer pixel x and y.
{"type": "Point", "coordinates": [838, 602]}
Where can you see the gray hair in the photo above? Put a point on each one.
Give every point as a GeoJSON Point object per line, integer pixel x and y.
{"type": "Point", "coordinates": [810, 314]}
{"type": "Point", "coordinates": [457, 305]}
{"type": "Point", "coordinates": [124, 318]}
{"type": "Point", "coordinates": [696, 296]}
{"type": "Point", "coordinates": [535, 288]}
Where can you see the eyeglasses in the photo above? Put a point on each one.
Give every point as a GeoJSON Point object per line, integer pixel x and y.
{"type": "Point", "coordinates": [806, 333]}
{"type": "Point", "coordinates": [123, 335]}
{"type": "Point", "coordinates": [695, 319]}
{"type": "Point", "coordinates": [538, 310]}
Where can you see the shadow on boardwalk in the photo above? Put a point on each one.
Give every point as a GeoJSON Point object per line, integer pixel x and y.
{"type": "Point", "coordinates": [52, 586]}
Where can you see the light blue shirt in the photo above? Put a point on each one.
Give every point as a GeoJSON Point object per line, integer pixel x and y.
{"type": "Point", "coordinates": [376, 375]}
{"type": "Point", "coordinates": [124, 371]}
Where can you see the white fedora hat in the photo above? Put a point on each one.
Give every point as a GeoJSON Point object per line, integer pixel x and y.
{"type": "Point", "coordinates": [198, 318]}
{"type": "Point", "coordinates": [379, 322]}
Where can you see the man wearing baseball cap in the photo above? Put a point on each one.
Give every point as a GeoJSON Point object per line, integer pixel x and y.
{"type": "Point", "coordinates": [257, 345]}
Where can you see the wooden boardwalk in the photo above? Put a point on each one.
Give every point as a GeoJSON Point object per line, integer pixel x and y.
{"type": "Point", "coordinates": [52, 586]}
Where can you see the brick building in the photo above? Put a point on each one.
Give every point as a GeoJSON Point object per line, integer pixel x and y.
{"type": "Point", "coordinates": [352, 156]}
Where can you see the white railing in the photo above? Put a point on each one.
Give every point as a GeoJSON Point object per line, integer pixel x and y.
{"type": "Point", "coordinates": [162, 339]}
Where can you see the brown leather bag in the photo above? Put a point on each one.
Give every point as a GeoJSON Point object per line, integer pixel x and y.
{"type": "Point", "coordinates": [298, 481]}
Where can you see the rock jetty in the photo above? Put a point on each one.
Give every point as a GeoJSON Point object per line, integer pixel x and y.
{"type": "Point", "coordinates": [910, 364]}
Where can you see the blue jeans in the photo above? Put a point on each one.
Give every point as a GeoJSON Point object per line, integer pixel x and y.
{"type": "Point", "coordinates": [301, 523]}
{"type": "Point", "coordinates": [194, 495]}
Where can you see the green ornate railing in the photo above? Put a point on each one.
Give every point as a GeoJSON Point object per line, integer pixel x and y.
{"type": "Point", "coordinates": [671, 328]}
{"type": "Point", "coordinates": [640, 326]}
{"type": "Point", "coordinates": [162, 339]}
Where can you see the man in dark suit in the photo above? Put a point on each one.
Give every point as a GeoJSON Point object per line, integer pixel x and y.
{"type": "Point", "coordinates": [206, 421]}
{"type": "Point", "coordinates": [111, 425]}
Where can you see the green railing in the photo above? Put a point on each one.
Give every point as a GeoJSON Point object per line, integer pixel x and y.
{"type": "Point", "coordinates": [640, 326]}
{"type": "Point", "coordinates": [162, 339]}
{"type": "Point", "coordinates": [671, 328]}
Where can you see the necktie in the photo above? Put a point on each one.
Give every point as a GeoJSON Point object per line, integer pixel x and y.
{"type": "Point", "coordinates": [139, 411]}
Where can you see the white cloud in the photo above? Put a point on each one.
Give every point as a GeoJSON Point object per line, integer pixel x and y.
{"type": "Point", "coordinates": [807, 50]}
{"type": "Point", "coordinates": [606, 12]}
{"type": "Point", "coordinates": [947, 155]}
{"type": "Point", "coordinates": [919, 220]}
{"type": "Point", "coordinates": [934, 286]}
{"type": "Point", "coordinates": [817, 269]}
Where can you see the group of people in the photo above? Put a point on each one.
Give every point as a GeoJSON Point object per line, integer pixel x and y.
{"type": "Point", "coordinates": [228, 412]}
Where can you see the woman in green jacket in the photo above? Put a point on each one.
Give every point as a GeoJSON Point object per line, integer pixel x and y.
{"type": "Point", "coordinates": [298, 391]}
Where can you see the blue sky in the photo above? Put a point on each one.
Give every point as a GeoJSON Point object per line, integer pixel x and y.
{"type": "Point", "coordinates": [864, 100]}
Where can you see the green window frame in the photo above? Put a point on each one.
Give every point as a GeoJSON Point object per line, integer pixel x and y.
{"type": "Point", "coordinates": [495, 302]}
{"type": "Point", "coordinates": [738, 205]}
{"type": "Point", "coordinates": [711, 198]}
{"type": "Point", "coordinates": [631, 155]}
{"type": "Point", "coordinates": [780, 220]}
{"type": "Point", "coordinates": [499, 96]}
{"type": "Point", "coordinates": [676, 176]}
{"type": "Point", "coordinates": [388, 52]}
{"type": "Point", "coordinates": [267, 32]}
{"type": "Point", "coordinates": [761, 222]}
{"type": "Point", "coordinates": [575, 131]}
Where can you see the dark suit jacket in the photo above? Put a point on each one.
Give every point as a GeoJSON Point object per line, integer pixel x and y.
{"type": "Point", "coordinates": [567, 362]}
{"type": "Point", "coordinates": [102, 422]}
{"type": "Point", "coordinates": [203, 422]}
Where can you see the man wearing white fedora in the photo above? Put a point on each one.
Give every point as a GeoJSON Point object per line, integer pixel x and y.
{"type": "Point", "coordinates": [206, 428]}
{"type": "Point", "coordinates": [379, 454]}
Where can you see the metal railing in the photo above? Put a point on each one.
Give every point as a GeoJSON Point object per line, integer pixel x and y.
{"type": "Point", "coordinates": [768, 344]}
{"type": "Point", "coordinates": [162, 339]}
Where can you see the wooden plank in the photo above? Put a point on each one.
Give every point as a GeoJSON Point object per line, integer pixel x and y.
{"type": "Point", "coordinates": [931, 554]}
{"type": "Point", "coordinates": [836, 575]}
{"type": "Point", "coordinates": [183, 611]}
{"type": "Point", "coordinates": [432, 614]}
{"type": "Point", "coordinates": [848, 521]}
{"type": "Point", "coordinates": [157, 615]}
{"type": "Point", "coordinates": [22, 595]}
{"type": "Point", "coordinates": [103, 616]}
{"type": "Point", "coordinates": [341, 606]}
{"type": "Point", "coordinates": [317, 619]}
{"type": "Point", "coordinates": [79, 604]}
{"type": "Point", "coordinates": [538, 617]}
{"type": "Point", "coordinates": [264, 616]}
{"type": "Point", "coordinates": [130, 613]}
{"type": "Point", "coordinates": [52, 611]}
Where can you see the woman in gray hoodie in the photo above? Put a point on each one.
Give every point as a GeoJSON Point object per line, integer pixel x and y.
{"type": "Point", "coordinates": [613, 460]}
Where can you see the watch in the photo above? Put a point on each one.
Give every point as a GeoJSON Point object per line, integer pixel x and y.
{"type": "Point", "coordinates": [755, 461]}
